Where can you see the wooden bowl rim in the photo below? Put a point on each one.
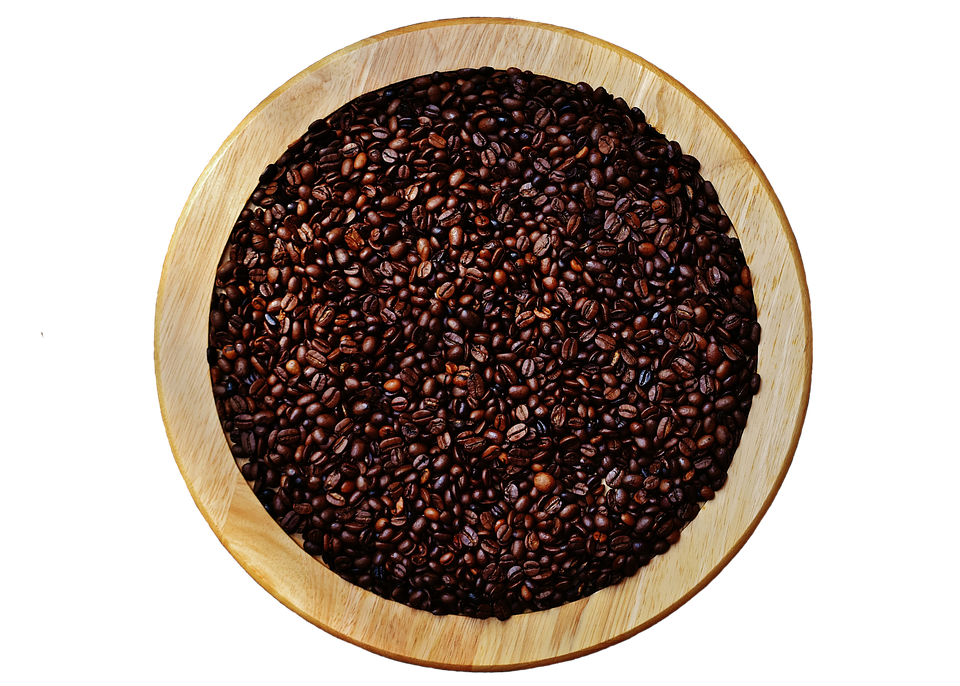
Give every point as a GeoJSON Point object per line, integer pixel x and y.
{"type": "Point", "coordinates": [241, 503]}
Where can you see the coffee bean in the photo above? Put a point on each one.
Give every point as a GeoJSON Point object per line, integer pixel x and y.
{"type": "Point", "coordinates": [473, 444]}
{"type": "Point", "coordinates": [558, 416]}
{"type": "Point", "coordinates": [288, 437]}
{"type": "Point", "coordinates": [331, 397]}
{"type": "Point", "coordinates": [475, 386]}
{"type": "Point", "coordinates": [605, 342]}
{"type": "Point", "coordinates": [446, 289]}
{"type": "Point", "coordinates": [482, 340]}
{"type": "Point", "coordinates": [468, 537]}
{"type": "Point", "coordinates": [525, 318]}
{"type": "Point", "coordinates": [683, 368]}
{"type": "Point", "coordinates": [542, 246]}
{"type": "Point", "coordinates": [589, 309]}
{"type": "Point", "coordinates": [479, 353]}
{"type": "Point", "coordinates": [516, 432]}
{"type": "Point", "coordinates": [544, 482]}
{"type": "Point", "coordinates": [727, 402]}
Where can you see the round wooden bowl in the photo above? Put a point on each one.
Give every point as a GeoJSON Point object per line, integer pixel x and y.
{"type": "Point", "coordinates": [302, 583]}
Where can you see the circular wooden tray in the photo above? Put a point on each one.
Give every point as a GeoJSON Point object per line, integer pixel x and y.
{"type": "Point", "coordinates": [388, 628]}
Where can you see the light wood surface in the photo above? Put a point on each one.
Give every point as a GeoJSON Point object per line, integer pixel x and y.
{"type": "Point", "coordinates": [305, 585]}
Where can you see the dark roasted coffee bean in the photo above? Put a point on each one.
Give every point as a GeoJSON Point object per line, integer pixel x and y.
{"type": "Point", "coordinates": [525, 318]}
{"type": "Point", "coordinates": [516, 432]}
{"type": "Point", "coordinates": [544, 482]}
{"type": "Point", "coordinates": [605, 342]}
{"type": "Point", "coordinates": [468, 537]}
{"type": "Point", "coordinates": [331, 397]}
{"type": "Point", "coordinates": [558, 416]}
{"type": "Point", "coordinates": [288, 437]}
{"type": "Point", "coordinates": [589, 309]}
{"type": "Point", "coordinates": [475, 386]}
{"type": "Point", "coordinates": [550, 505]}
{"type": "Point", "coordinates": [542, 246]}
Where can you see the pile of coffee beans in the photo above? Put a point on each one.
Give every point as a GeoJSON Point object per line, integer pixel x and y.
{"type": "Point", "coordinates": [481, 341]}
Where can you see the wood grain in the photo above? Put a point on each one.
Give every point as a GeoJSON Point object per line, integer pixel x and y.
{"type": "Point", "coordinates": [305, 585]}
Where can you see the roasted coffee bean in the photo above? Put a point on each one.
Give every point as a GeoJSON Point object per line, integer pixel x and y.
{"type": "Point", "coordinates": [288, 437]}
{"type": "Point", "coordinates": [475, 386]}
{"type": "Point", "coordinates": [468, 537]}
{"type": "Point", "coordinates": [558, 416]}
{"type": "Point", "coordinates": [542, 246]}
{"type": "Point", "coordinates": [590, 309]}
{"type": "Point", "coordinates": [516, 432]}
{"type": "Point", "coordinates": [331, 397]}
{"type": "Point", "coordinates": [544, 482]}
{"type": "Point", "coordinates": [481, 340]}
{"type": "Point", "coordinates": [605, 342]}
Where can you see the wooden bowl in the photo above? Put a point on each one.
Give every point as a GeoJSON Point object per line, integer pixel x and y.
{"type": "Point", "coordinates": [388, 628]}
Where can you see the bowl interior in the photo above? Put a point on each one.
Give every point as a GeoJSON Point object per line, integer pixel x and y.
{"type": "Point", "coordinates": [389, 628]}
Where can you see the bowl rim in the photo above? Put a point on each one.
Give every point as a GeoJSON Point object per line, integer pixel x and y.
{"type": "Point", "coordinates": [161, 344]}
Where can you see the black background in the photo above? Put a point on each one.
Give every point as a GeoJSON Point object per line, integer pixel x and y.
{"type": "Point", "coordinates": [759, 609]}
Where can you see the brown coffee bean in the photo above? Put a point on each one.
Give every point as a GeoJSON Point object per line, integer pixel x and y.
{"type": "Point", "coordinates": [727, 402]}
{"type": "Point", "coordinates": [589, 310]}
{"type": "Point", "coordinates": [542, 246]}
{"type": "Point", "coordinates": [525, 319]}
{"type": "Point", "coordinates": [558, 416]}
{"type": "Point", "coordinates": [605, 342]}
{"type": "Point", "coordinates": [468, 537]}
{"type": "Point", "coordinates": [475, 386]}
{"type": "Point", "coordinates": [331, 397]}
{"type": "Point", "coordinates": [544, 482]}
{"type": "Point", "coordinates": [516, 432]}
{"type": "Point", "coordinates": [446, 289]}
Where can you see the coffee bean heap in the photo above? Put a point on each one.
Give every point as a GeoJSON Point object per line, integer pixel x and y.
{"type": "Point", "coordinates": [481, 342]}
